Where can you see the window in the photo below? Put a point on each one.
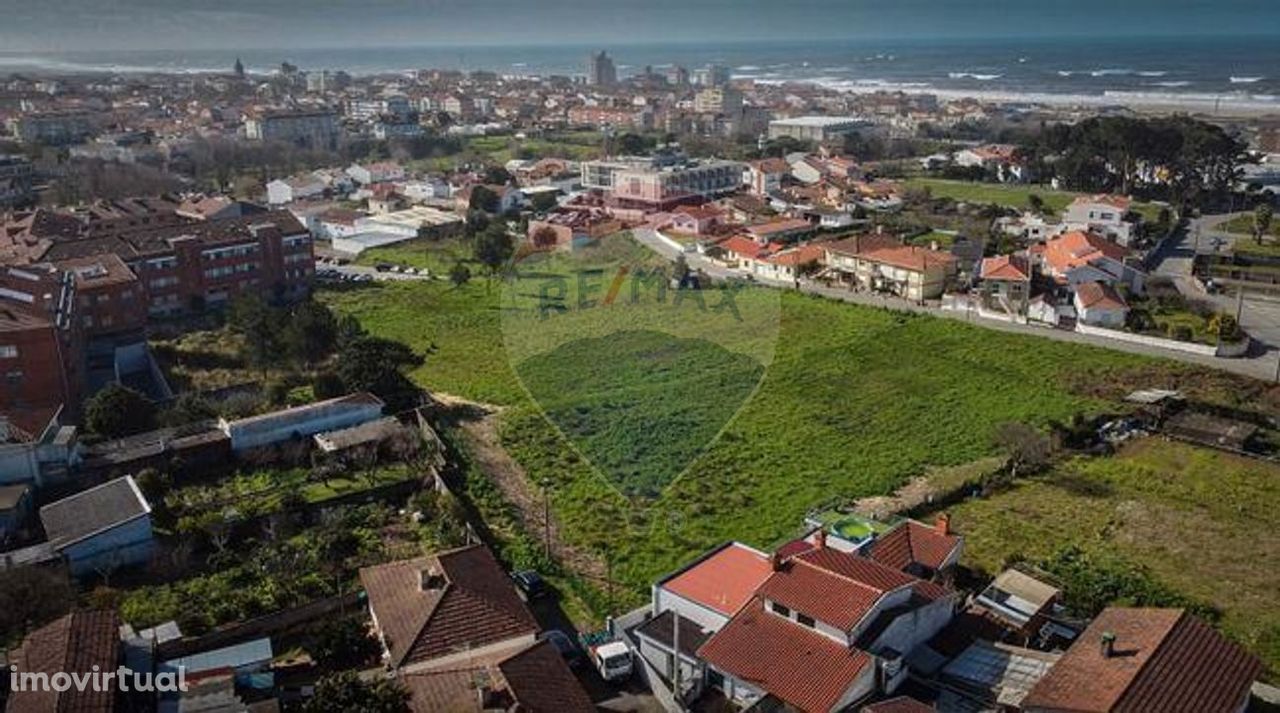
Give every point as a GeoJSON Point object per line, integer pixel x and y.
{"type": "Point", "coordinates": [780, 609]}
{"type": "Point", "coordinates": [8, 351]}
{"type": "Point", "coordinates": [805, 620]}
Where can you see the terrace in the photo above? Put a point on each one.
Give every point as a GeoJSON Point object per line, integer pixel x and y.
{"type": "Point", "coordinates": [846, 531]}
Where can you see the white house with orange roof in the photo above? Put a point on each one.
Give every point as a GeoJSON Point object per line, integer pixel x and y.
{"type": "Point", "coordinates": [1103, 214]}
{"type": "Point", "coordinates": [1000, 159]}
{"type": "Point", "coordinates": [809, 627]}
{"type": "Point", "coordinates": [1077, 257]}
{"type": "Point", "coordinates": [1099, 305]}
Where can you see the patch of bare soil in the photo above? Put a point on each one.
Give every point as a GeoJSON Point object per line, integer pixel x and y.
{"type": "Point", "coordinates": [478, 423]}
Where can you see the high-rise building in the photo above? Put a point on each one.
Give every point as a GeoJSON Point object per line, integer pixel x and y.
{"type": "Point", "coordinates": [601, 71]}
{"type": "Point", "coordinates": [677, 75]}
{"type": "Point", "coordinates": [712, 75]}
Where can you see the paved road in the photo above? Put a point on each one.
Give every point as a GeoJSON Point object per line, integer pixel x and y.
{"type": "Point", "coordinates": [1262, 365]}
{"type": "Point", "coordinates": [1259, 314]}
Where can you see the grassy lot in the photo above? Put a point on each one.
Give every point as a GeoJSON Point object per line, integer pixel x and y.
{"type": "Point", "coordinates": [1243, 225]}
{"type": "Point", "coordinates": [261, 491]}
{"type": "Point", "coordinates": [1196, 519]}
{"type": "Point", "coordinates": [435, 255]}
{"type": "Point", "coordinates": [1011, 195]}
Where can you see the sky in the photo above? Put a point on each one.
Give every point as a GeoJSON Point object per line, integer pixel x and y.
{"type": "Point", "coordinates": [68, 25]}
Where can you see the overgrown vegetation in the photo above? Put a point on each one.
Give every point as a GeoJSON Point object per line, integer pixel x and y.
{"type": "Point", "coordinates": [1158, 524]}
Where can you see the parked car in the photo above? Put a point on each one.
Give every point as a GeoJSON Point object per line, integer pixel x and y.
{"type": "Point", "coordinates": [569, 650]}
{"type": "Point", "coordinates": [383, 266]}
{"type": "Point", "coordinates": [612, 660]}
{"type": "Point", "coordinates": [530, 584]}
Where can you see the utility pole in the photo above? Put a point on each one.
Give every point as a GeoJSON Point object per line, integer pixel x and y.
{"type": "Point", "coordinates": [675, 645]}
{"type": "Point", "coordinates": [546, 516]}
{"type": "Point", "coordinates": [1239, 303]}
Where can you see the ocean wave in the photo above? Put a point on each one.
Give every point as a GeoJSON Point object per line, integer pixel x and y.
{"type": "Point", "coordinates": [974, 75]}
{"type": "Point", "coordinates": [1170, 85]}
{"type": "Point", "coordinates": [1246, 80]}
{"type": "Point", "coordinates": [1159, 73]}
{"type": "Point", "coordinates": [1110, 72]}
{"type": "Point", "coordinates": [748, 68]}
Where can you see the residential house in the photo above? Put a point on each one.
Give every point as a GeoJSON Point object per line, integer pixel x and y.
{"type": "Point", "coordinates": [1103, 214]}
{"type": "Point", "coordinates": [764, 177]}
{"type": "Point", "coordinates": [79, 643]}
{"type": "Point", "coordinates": [337, 223]}
{"type": "Point", "coordinates": [1165, 660]}
{"type": "Point", "coordinates": [380, 172]}
{"type": "Point", "coordinates": [696, 219]}
{"type": "Point", "coordinates": [778, 230]}
{"type": "Point", "coordinates": [1076, 257]}
{"type": "Point", "coordinates": [572, 228]}
{"type": "Point", "coordinates": [924, 551]}
{"type": "Point", "coordinates": [510, 198]}
{"type": "Point", "coordinates": [898, 704]}
{"type": "Point", "coordinates": [790, 264]}
{"type": "Point", "coordinates": [824, 631]}
{"type": "Point", "coordinates": [446, 610]}
{"type": "Point", "coordinates": [533, 680]}
{"type": "Point", "coordinates": [906, 271]}
{"type": "Point", "coordinates": [100, 529]}
{"type": "Point", "coordinates": [1006, 284]}
{"type": "Point", "coordinates": [295, 188]}
{"type": "Point", "coordinates": [1000, 160]}
{"type": "Point", "coordinates": [1099, 305]}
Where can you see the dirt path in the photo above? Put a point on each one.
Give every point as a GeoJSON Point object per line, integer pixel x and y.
{"type": "Point", "coordinates": [478, 422]}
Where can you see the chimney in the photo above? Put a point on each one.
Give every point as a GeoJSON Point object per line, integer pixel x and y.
{"type": "Point", "coordinates": [775, 561]}
{"type": "Point", "coordinates": [432, 579]}
{"type": "Point", "coordinates": [820, 538]}
{"type": "Point", "coordinates": [1108, 644]}
{"type": "Point", "coordinates": [879, 229]}
{"type": "Point", "coordinates": [943, 523]}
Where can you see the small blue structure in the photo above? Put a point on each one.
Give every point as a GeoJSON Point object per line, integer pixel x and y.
{"type": "Point", "coordinates": [250, 663]}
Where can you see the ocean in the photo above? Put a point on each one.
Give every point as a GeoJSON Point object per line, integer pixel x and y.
{"type": "Point", "coordinates": [1242, 71]}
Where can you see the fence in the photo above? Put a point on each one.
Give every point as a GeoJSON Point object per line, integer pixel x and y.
{"type": "Point", "coordinates": [265, 625]}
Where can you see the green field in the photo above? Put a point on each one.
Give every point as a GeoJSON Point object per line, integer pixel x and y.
{"type": "Point", "coordinates": [1198, 520]}
{"type": "Point", "coordinates": [855, 401]}
{"type": "Point", "coordinates": [1011, 195]}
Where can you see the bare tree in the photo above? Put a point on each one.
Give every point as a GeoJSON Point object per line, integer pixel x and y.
{"type": "Point", "coordinates": [1027, 449]}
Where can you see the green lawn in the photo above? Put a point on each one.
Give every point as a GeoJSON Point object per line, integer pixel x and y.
{"type": "Point", "coordinates": [1195, 518]}
{"type": "Point", "coordinates": [1011, 195]}
{"type": "Point", "coordinates": [1243, 225]}
{"type": "Point", "coordinates": [435, 255]}
{"type": "Point", "coordinates": [855, 401]}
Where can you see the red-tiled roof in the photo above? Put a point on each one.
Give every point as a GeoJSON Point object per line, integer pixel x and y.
{"type": "Point", "coordinates": [473, 605]}
{"type": "Point", "coordinates": [541, 682]}
{"type": "Point", "coordinates": [913, 542]}
{"type": "Point", "coordinates": [1098, 295]}
{"type": "Point", "coordinates": [798, 665]}
{"type": "Point", "coordinates": [1164, 661]}
{"type": "Point", "coordinates": [854, 245]}
{"type": "Point", "coordinates": [76, 643]}
{"type": "Point", "coordinates": [1120, 203]}
{"type": "Point", "coordinates": [1005, 267]}
{"type": "Point", "coordinates": [908, 257]}
{"type": "Point", "coordinates": [799, 256]}
{"type": "Point", "coordinates": [832, 586]}
{"type": "Point", "coordinates": [744, 246]}
{"type": "Point", "coordinates": [1078, 248]}
{"type": "Point", "coordinates": [777, 227]}
{"type": "Point", "coordinates": [724, 580]}
{"type": "Point", "coordinates": [772, 165]}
